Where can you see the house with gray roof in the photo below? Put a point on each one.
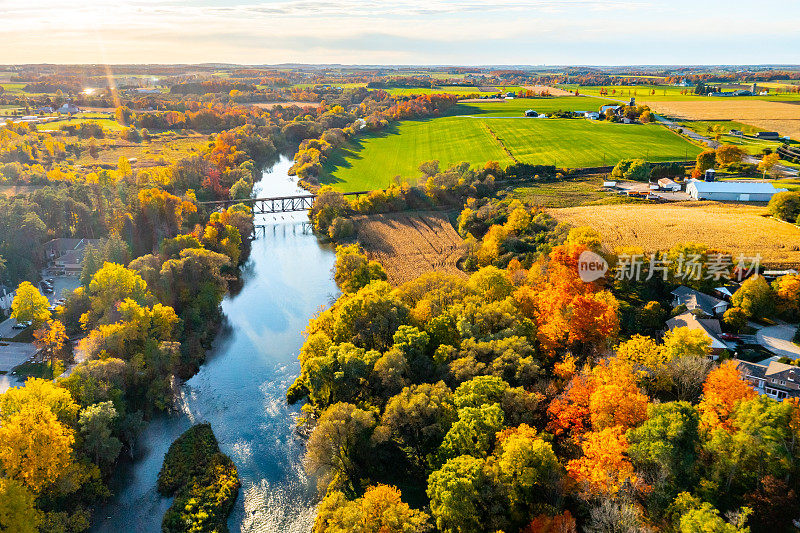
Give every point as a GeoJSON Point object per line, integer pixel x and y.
{"type": "Point", "coordinates": [776, 380]}
{"type": "Point", "coordinates": [709, 326]}
{"type": "Point", "coordinates": [694, 300]}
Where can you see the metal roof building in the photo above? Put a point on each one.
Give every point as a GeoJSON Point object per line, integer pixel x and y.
{"type": "Point", "coordinates": [732, 191]}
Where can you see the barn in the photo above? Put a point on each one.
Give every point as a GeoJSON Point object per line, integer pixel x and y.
{"type": "Point", "coordinates": [731, 191]}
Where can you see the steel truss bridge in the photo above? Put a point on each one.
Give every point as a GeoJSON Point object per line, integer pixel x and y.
{"type": "Point", "coordinates": [276, 204]}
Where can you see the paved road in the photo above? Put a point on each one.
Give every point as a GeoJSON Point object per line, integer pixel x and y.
{"type": "Point", "coordinates": [778, 340]}
{"type": "Point", "coordinates": [7, 330]}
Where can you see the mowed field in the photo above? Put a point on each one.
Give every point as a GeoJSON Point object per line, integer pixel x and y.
{"type": "Point", "coordinates": [410, 244]}
{"type": "Point", "coordinates": [782, 117]}
{"type": "Point", "coordinates": [656, 93]}
{"type": "Point", "coordinates": [734, 228]}
{"type": "Point", "coordinates": [497, 132]}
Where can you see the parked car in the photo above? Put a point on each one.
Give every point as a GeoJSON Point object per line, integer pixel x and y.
{"type": "Point", "coordinates": [729, 337]}
{"type": "Point", "coordinates": [49, 280]}
{"type": "Point", "coordinates": [48, 290]}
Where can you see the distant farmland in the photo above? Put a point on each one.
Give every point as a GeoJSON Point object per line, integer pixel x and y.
{"type": "Point", "coordinates": [372, 161]}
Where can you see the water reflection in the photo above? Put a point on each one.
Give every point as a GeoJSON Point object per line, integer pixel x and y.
{"type": "Point", "coordinates": [240, 390]}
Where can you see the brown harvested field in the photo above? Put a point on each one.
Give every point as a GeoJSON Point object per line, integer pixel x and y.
{"type": "Point", "coordinates": [410, 244]}
{"type": "Point", "coordinates": [734, 228]}
{"type": "Point", "coordinates": [552, 90]}
{"type": "Point", "coordinates": [772, 116]}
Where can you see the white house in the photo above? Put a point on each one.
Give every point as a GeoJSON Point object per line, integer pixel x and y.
{"type": "Point", "coordinates": [592, 115]}
{"type": "Point", "coordinates": [666, 184]}
{"type": "Point", "coordinates": [69, 109]}
{"type": "Point", "coordinates": [6, 297]}
{"type": "Point", "coordinates": [732, 191]}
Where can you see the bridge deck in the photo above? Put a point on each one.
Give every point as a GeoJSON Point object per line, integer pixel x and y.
{"type": "Point", "coordinates": [277, 204]}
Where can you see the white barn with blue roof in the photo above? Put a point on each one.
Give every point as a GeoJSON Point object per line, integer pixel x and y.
{"type": "Point", "coordinates": [732, 191]}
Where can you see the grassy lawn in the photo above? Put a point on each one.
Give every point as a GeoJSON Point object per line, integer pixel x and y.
{"type": "Point", "coordinates": [106, 123]}
{"type": "Point", "coordinates": [11, 87]}
{"type": "Point", "coordinates": [568, 193]}
{"type": "Point", "coordinates": [160, 151]}
{"type": "Point", "coordinates": [518, 106]}
{"type": "Point", "coordinates": [372, 161]}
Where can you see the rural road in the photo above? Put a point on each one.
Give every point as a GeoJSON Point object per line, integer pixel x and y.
{"type": "Point", "coordinates": [778, 340]}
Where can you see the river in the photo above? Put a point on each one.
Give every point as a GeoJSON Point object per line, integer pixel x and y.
{"type": "Point", "coordinates": [240, 390]}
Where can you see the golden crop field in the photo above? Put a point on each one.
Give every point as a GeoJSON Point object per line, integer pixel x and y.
{"type": "Point", "coordinates": [734, 228]}
{"type": "Point", "coordinates": [772, 116]}
{"type": "Point", "coordinates": [555, 91]}
{"type": "Point", "coordinates": [410, 244]}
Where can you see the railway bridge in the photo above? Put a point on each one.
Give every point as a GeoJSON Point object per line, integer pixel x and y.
{"type": "Point", "coordinates": [276, 204]}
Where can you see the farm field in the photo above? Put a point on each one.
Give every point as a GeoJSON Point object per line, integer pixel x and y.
{"type": "Point", "coordinates": [553, 90]}
{"type": "Point", "coordinates": [734, 228]}
{"type": "Point", "coordinates": [711, 128]}
{"type": "Point", "coordinates": [411, 244]}
{"type": "Point", "coordinates": [567, 193]}
{"type": "Point", "coordinates": [373, 160]}
{"type": "Point", "coordinates": [656, 93]}
{"type": "Point", "coordinates": [770, 116]}
{"type": "Point", "coordinates": [108, 124]}
{"type": "Point", "coordinates": [158, 152]}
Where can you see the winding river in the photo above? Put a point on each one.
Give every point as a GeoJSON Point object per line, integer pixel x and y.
{"type": "Point", "coordinates": [241, 388]}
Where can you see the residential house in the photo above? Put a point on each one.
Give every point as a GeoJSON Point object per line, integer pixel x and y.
{"type": "Point", "coordinates": [615, 108]}
{"type": "Point", "coordinates": [694, 300]}
{"type": "Point", "coordinates": [776, 380]}
{"type": "Point", "coordinates": [6, 297]}
{"type": "Point", "coordinates": [732, 191]}
{"type": "Point", "coordinates": [709, 326]}
{"type": "Point", "coordinates": [68, 254]}
{"type": "Point", "coordinates": [592, 115]}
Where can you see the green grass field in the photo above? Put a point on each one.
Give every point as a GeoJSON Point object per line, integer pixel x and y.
{"type": "Point", "coordinates": [654, 93]}
{"type": "Point", "coordinates": [107, 124]}
{"type": "Point", "coordinates": [372, 161]}
{"type": "Point", "coordinates": [517, 106]}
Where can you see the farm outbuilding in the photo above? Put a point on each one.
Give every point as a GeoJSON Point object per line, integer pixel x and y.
{"type": "Point", "coordinates": [732, 191]}
{"type": "Point", "coordinates": [531, 113]}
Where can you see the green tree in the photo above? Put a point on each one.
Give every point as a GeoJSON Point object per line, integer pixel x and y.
{"type": "Point", "coordinates": [30, 305]}
{"type": "Point", "coordinates": [96, 424]}
{"type": "Point", "coordinates": [474, 431]}
{"type": "Point", "coordinates": [18, 513]}
{"type": "Point", "coordinates": [755, 297]}
{"type": "Point", "coordinates": [419, 418]}
{"type": "Point", "coordinates": [785, 205]}
{"type": "Point", "coordinates": [664, 450]}
{"type": "Point", "coordinates": [338, 445]}
{"type": "Point", "coordinates": [460, 493]}
{"type": "Point", "coordinates": [112, 284]}
{"type": "Point", "coordinates": [241, 190]}
{"type": "Point", "coordinates": [685, 342]}
{"type": "Point", "coordinates": [735, 318]}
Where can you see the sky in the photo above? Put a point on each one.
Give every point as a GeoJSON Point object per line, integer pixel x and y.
{"type": "Point", "coordinates": [402, 32]}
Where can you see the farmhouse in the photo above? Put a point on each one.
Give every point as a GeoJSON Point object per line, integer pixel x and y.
{"type": "Point", "coordinates": [69, 108]}
{"type": "Point", "coordinates": [732, 191]}
{"type": "Point", "coordinates": [592, 115]}
{"type": "Point", "coordinates": [709, 326]}
{"type": "Point", "coordinates": [776, 380]}
{"type": "Point", "coordinates": [693, 300]}
{"type": "Point", "coordinates": [614, 108]}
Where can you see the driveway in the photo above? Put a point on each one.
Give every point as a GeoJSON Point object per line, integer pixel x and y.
{"type": "Point", "coordinates": [13, 354]}
{"type": "Point", "coordinates": [7, 330]}
{"type": "Point", "coordinates": [778, 340]}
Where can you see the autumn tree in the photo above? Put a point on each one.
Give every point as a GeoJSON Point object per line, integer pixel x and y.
{"type": "Point", "coordinates": [112, 284]}
{"type": "Point", "coordinates": [724, 387]}
{"type": "Point", "coordinates": [353, 270]}
{"type": "Point", "coordinates": [729, 153]}
{"type": "Point", "coordinates": [768, 163]}
{"type": "Point", "coordinates": [459, 495]}
{"type": "Point", "coordinates": [35, 448]}
{"type": "Point", "coordinates": [705, 161]}
{"type": "Point", "coordinates": [379, 510]}
{"type": "Point", "coordinates": [686, 342]}
{"type": "Point", "coordinates": [785, 205]}
{"type": "Point", "coordinates": [30, 305]}
{"type": "Point", "coordinates": [604, 469]}
{"type": "Point", "coordinates": [163, 213]}
{"type": "Point", "coordinates": [50, 339]}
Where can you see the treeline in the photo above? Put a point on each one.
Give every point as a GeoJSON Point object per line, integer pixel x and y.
{"type": "Point", "coordinates": [507, 401]}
